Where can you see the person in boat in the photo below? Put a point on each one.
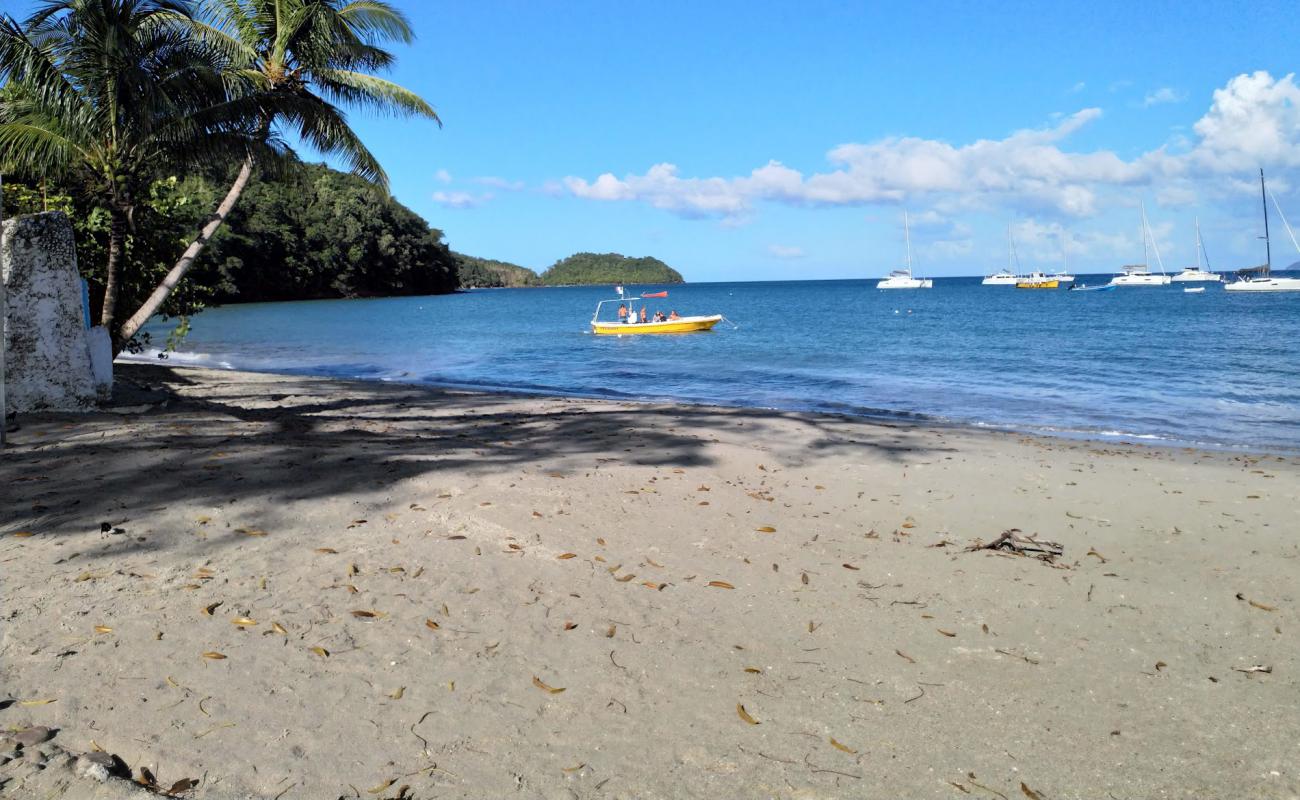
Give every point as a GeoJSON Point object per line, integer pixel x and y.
{"type": "Point", "coordinates": [622, 313]}
{"type": "Point", "coordinates": [644, 319]}
{"type": "Point", "coordinates": [659, 316]}
{"type": "Point", "coordinates": [674, 315]}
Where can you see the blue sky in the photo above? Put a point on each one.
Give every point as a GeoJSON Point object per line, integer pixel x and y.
{"type": "Point", "coordinates": [1054, 119]}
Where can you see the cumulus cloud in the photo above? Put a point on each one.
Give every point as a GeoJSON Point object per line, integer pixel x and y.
{"type": "Point", "coordinates": [785, 251]}
{"type": "Point", "coordinates": [461, 199]}
{"type": "Point", "coordinates": [442, 176]}
{"type": "Point", "coordinates": [1162, 96]}
{"type": "Point", "coordinates": [1254, 119]}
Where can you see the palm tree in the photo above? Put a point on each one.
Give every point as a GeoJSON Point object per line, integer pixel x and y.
{"type": "Point", "coordinates": [105, 93]}
{"type": "Point", "coordinates": [302, 57]}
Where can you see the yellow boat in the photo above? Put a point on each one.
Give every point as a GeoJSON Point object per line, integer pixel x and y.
{"type": "Point", "coordinates": [630, 326]}
{"type": "Point", "coordinates": [1038, 281]}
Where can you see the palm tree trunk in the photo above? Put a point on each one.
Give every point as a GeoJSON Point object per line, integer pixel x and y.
{"type": "Point", "coordinates": [116, 244]}
{"type": "Point", "coordinates": [191, 254]}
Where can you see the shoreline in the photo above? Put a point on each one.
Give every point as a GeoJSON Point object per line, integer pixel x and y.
{"type": "Point", "coordinates": [876, 416]}
{"type": "Point", "coordinates": [313, 584]}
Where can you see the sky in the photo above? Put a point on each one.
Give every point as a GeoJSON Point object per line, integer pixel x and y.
{"type": "Point", "coordinates": [780, 140]}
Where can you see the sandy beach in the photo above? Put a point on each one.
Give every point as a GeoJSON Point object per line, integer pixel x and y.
{"type": "Point", "coordinates": [290, 587]}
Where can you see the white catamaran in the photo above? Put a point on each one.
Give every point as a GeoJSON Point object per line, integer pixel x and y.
{"type": "Point", "coordinates": [1196, 274]}
{"type": "Point", "coordinates": [1142, 276]}
{"type": "Point", "coordinates": [1008, 276]}
{"type": "Point", "coordinates": [902, 278]}
{"type": "Point", "coordinates": [1264, 281]}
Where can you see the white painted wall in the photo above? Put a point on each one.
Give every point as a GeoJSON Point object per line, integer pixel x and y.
{"type": "Point", "coordinates": [47, 350]}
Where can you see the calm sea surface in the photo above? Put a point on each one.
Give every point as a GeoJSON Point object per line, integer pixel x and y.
{"type": "Point", "coordinates": [1152, 364]}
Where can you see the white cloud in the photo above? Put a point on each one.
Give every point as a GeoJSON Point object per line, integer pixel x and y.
{"type": "Point", "coordinates": [461, 199]}
{"type": "Point", "coordinates": [442, 176]}
{"type": "Point", "coordinates": [785, 251]}
{"type": "Point", "coordinates": [1162, 96]}
{"type": "Point", "coordinates": [1078, 87]}
{"type": "Point", "coordinates": [1254, 120]}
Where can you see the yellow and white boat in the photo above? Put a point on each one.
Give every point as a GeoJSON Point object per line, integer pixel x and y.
{"type": "Point", "coordinates": [1038, 280]}
{"type": "Point", "coordinates": [630, 323]}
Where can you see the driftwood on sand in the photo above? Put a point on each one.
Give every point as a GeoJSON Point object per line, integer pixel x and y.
{"type": "Point", "coordinates": [1017, 542]}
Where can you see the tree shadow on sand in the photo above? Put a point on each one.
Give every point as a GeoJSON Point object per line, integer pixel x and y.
{"type": "Point", "coordinates": [216, 439]}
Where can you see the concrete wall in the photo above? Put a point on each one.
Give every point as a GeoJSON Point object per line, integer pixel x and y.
{"type": "Point", "coordinates": [47, 347]}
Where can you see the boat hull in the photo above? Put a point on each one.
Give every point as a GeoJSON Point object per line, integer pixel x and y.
{"type": "Point", "coordinates": [1140, 280]}
{"type": "Point", "coordinates": [683, 325]}
{"type": "Point", "coordinates": [999, 280]}
{"type": "Point", "coordinates": [1052, 284]}
{"type": "Point", "coordinates": [905, 283]}
{"type": "Point", "coordinates": [1264, 285]}
{"type": "Point", "coordinates": [1193, 276]}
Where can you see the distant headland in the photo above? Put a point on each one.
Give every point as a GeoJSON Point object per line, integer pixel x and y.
{"type": "Point", "coordinates": [579, 269]}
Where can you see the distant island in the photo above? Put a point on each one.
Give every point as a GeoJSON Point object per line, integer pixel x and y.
{"type": "Point", "coordinates": [579, 269]}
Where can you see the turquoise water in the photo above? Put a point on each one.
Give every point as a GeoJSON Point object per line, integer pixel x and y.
{"type": "Point", "coordinates": [1152, 364]}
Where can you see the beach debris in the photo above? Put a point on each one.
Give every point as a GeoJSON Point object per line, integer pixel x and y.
{"type": "Point", "coordinates": [1255, 603]}
{"type": "Point", "coordinates": [540, 684]}
{"type": "Point", "coordinates": [754, 670]}
{"type": "Point", "coordinates": [41, 702]}
{"type": "Point", "coordinates": [745, 715]}
{"type": "Point", "coordinates": [278, 628]}
{"type": "Point", "coordinates": [949, 634]}
{"type": "Point", "coordinates": [208, 609]}
{"type": "Point", "coordinates": [721, 585]}
{"type": "Point", "coordinates": [329, 551]}
{"type": "Point", "coordinates": [397, 693]}
{"type": "Point", "coordinates": [1014, 541]}
{"type": "Point", "coordinates": [22, 534]}
{"type": "Point", "coordinates": [381, 787]}
{"type": "Point", "coordinates": [214, 655]}
{"type": "Point", "coordinates": [431, 625]}
{"type": "Point", "coordinates": [765, 529]}
{"type": "Point", "coordinates": [103, 629]}
{"type": "Point", "coordinates": [320, 651]}
{"type": "Point", "coordinates": [243, 622]}
{"type": "Point", "coordinates": [566, 556]}
{"type": "Point", "coordinates": [1020, 656]}
{"type": "Point", "coordinates": [843, 748]}
{"type": "Point", "coordinates": [251, 531]}
{"type": "Point", "coordinates": [905, 656]}
{"type": "Point", "coordinates": [362, 613]}
{"type": "Point", "coordinates": [850, 566]}
{"type": "Point", "coordinates": [1254, 669]}
{"type": "Point", "coordinates": [1093, 552]}
{"type": "Point", "coordinates": [1030, 793]}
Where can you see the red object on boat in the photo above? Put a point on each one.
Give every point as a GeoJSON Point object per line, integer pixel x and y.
{"type": "Point", "coordinates": [655, 294]}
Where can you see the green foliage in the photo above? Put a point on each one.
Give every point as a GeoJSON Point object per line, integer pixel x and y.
{"type": "Point", "coordinates": [592, 268]}
{"type": "Point", "coordinates": [484, 273]}
{"type": "Point", "coordinates": [316, 233]}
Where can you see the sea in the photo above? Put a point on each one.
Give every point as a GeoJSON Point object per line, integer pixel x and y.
{"type": "Point", "coordinates": [1152, 364]}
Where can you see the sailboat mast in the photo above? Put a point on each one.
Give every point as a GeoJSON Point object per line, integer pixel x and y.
{"type": "Point", "coordinates": [1268, 249]}
{"type": "Point", "coordinates": [1198, 244]}
{"type": "Point", "coordinates": [907, 235]}
{"type": "Point", "coordinates": [1144, 238]}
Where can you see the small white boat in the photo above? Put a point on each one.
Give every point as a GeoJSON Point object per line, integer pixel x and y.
{"type": "Point", "coordinates": [1196, 274]}
{"type": "Point", "coordinates": [1263, 280]}
{"type": "Point", "coordinates": [1193, 290]}
{"type": "Point", "coordinates": [1135, 275]}
{"type": "Point", "coordinates": [902, 278]}
{"type": "Point", "coordinates": [1003, 277]}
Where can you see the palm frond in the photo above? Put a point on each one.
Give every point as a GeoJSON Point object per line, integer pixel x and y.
{"type": "Point", "coordinates": [376, 94]}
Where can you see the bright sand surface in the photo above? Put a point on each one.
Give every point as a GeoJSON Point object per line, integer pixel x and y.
{"type": "Point", "coordinates": [487, 596]}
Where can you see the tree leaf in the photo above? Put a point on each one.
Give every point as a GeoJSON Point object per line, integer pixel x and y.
{"type": "Point", "coordinates": [625, 578]}
{"type": "Point", "coordinates": [278, 628]}
{"type": "Point", "coordinates": [842, 747]}
{"type": "Point", "coordinates": [765, 529]}
{"type": "Point", "coordinates": [320, 651]}
{"type": "Point", "coordinates": [754, 670]}
{"type": "Point", "coordinates": [540, 685]}
{"type": "Point", "coordinates": [103, 629]}
{"type": "Point", "coordinates": [362, 613]}
{"type": "Point", "coordinates": [431, 625]}
{"type": "Point", "coordinates": [565, 556]}
{"type": "Point", "coordinates": [745, 715]}
{"type": "Point", "coordinates": [1030, 793]}
{"type": "Point", "coordinates": [44, 702]}
{"type": "Point", "coordinates": [214, 655]}
{"type": "Point", "coordinates": [721, 585]}
{"type": "Point", "coordinates": [243, 622]}
{"type": "Point", "coordinates": [949, 634]}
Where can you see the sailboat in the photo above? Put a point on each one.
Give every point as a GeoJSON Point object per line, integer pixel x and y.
{"type": "Point", "coordinates": [1264, 281]}
{"type": "Point", "coordinates": [1196, 274]}
{"type": "Point", "coordinates": [1142, 276]}
{"type": "Point", "coordinates": [902, 278]}
{"type": "Point", "coordinates": [1004, 277]}
{"type": "Point", "coordinates": [1064, 275]}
